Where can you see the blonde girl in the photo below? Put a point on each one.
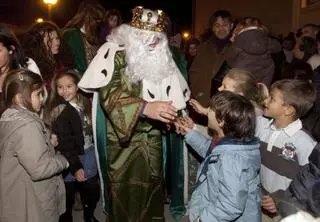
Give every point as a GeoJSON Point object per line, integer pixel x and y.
{"type": "Point", "coordinates": [243, 83]}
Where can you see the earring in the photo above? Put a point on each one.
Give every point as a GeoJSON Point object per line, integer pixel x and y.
{"type": "Point", "coordinates": [10, 52]}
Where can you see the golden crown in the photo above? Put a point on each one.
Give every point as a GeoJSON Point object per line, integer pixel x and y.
{"type": "Point", "coordinates": [147, 19]}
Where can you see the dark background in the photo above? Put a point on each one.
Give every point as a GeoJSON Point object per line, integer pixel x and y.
{"type": "Point", "coordinates": [23, 13]}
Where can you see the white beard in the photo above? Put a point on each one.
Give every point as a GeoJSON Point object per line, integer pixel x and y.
{"type": "Point", "coordinates": [144, 62]}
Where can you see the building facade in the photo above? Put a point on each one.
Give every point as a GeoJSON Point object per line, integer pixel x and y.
{"type": "Point", "coordinates": [281, 16]}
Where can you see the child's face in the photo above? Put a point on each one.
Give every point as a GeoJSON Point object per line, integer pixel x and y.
{"type": "Point", "coordinates": [37, 99]}
{"type": "Point", "coordinates": [113, 21]}
{"type": "Point", "coordinates": [212, 121]}
{"type": "Point", "coordinates": [67, 88]}
{"type": "Point", "coordinates": [193, 49]}
{"type": "Point", "coordinates": [227, 84]}
{"type": "Point", "coordinates": [274, 104]}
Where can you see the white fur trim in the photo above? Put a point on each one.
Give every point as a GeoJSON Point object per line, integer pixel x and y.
{"type": "Point", "coordinates": [32, 66]}
{"type": "Point", "coordinates": [171, 88]}
{"type": "Point", "coordinates": [100, 71]}
{"type": "Point", "coordinates": [300, 217]}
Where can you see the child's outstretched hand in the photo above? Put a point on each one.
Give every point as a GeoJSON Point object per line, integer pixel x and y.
{"type": "Point", "coordinates": [198, 107]}
{"type": "Point", "coordinates": [184, 125]}
{"type": "Point", "coordinates": [189, 122]}
{"type": "Point", "coordinates": [79, 175]}
{"type": "Point", "coordinates": [268, 204]}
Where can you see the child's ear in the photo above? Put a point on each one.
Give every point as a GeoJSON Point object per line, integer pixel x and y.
{"type": "Point", "coordinates": [18, 99]}
{"type": "Point", "coordinates": [290, 111]}
{"type": "Point", "coordinates": [221, 124]}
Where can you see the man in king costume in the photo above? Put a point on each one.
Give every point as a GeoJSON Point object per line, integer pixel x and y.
{"type": "Point", "coordinates": [138, 90]}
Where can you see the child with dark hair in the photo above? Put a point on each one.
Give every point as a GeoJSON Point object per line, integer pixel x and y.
{"type": "Point", "coordinates": [225, 191]}
{"type": "Point", "coordinates": [70, 114]}
{"type": "Point", "coordinates": [31, 188]}
{"type": "Point", "coordinates": [285, 146]}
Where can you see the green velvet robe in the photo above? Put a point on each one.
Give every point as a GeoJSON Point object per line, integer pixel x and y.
{"type": "Point", "coordinates": [134, 153]}
{"type": "Point", "coordinates": [73, 38]}
{"type": "Point", "coordinates": [173, 146]}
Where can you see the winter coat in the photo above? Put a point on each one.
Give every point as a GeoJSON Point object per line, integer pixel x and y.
{"type": "Point", "coordinates": [252, 51]}
{"type": "Point", "coordinates": [68, 127]}
{"type": "Point", "coordinates": [228, 179]}
{"type": "Point", "coordinates": [31, 188]}
{"type": "Point", "coordinates": [204, 68]}
{"type": "Point", "coordinates": [66, 124]}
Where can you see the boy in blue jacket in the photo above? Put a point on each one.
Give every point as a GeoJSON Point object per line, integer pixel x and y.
{"type": "Point", "coordinates": [227, 187]}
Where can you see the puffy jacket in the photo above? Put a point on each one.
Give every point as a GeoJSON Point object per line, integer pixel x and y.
{"type": "Point", "coordinates": [228, 180]}
{"type": "Point", "coordinates": [252, 51]}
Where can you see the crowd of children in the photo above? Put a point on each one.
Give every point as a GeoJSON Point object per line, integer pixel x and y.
{"type": "Point", "coordinates": [259, 164]}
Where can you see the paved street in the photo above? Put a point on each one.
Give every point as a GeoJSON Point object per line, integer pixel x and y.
{"type": "Point", "coordinates": [77, 215]}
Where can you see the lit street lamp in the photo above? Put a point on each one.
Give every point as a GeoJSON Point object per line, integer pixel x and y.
{"type": "Point", "coordinates": [186, 35]}
{"type": "Point", "coordinates": [39, 20]}
{"type": "Point", "coordinates": [50, 4]}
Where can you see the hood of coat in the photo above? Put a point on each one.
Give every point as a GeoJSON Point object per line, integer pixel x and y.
{"type": "Point", "coordinates": [254, 42]}
{"type": "Point", "coordinates": [12, 119]}
{"type": "Point", "coordinates": [249, 150]}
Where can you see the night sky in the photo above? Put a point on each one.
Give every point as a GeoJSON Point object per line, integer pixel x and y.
{"type": "Point", "coordinates": [23, 12]}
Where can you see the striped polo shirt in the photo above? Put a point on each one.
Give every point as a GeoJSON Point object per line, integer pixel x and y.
{"type": "Point", "coordinates": [282, 150]}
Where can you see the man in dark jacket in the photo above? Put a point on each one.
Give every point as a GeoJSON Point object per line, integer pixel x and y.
{"type": "Point", "coordinates": [211, 55]}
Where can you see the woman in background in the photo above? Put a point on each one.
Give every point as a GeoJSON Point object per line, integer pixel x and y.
{"type": "Point", "coordinates": [82, 33]}
{"type": "Point", "coordinates": [112, 19]}
{"type": "Point", "coordinates": [43, 43]}
{"type": "Point", "coordinates": [11, 57]}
